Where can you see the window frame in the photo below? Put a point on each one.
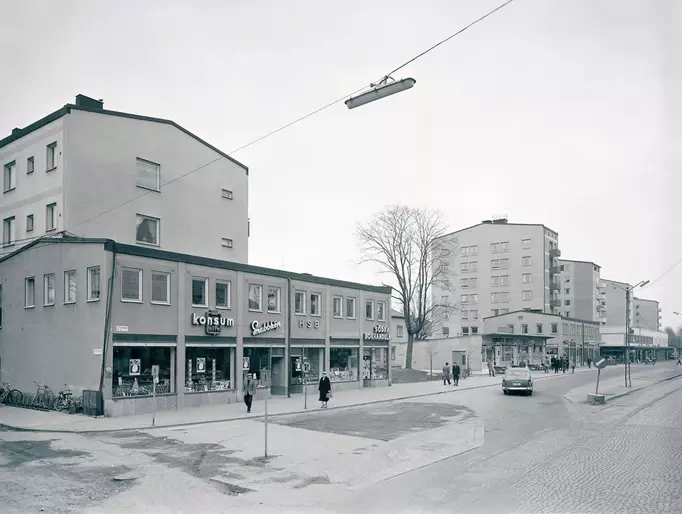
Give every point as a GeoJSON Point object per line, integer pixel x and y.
{"type": "Point", "coordinates": [526, 275]}
{"type": "Point", "coordinates": [302, 311]}
{"type": "Point", "coordinates": [139, 284]}
{"type": "Point", "coordinates": [51, 216]}
{"type": "Point", "coordinates": [319, 304]}
{"type": "Point", "coordinates": [31, 280]}
{"type": "Point", "coordinates": [278, 309]}
{"type": "Point", "coordinates": [372, 316]}
{"type": "Point", "coordinates": [151, 287]}
{"type": "Point", "coordinates": [228, 295]}
{"type": "Point", "coordinates": [351, 313]}
{"type": "Point", "coordinates": [528, 297]}
{"type": "Point", "coordinates": [67, 275]}
{"type": "Point", "coordinates": [158, 174]}
{"type": "Point", "coordinates": [227, 194]}
{"type": "Point", "coordinates": [248, 297]}
{"type": "Point", "coordinates": [340, 311]}
{"type": "Point", "coordinates": [226, 242]}
{"type": "Point", "coordinates": [30, 165]}
{"type": "Point", "coordinates": [158, 229]}
{"type": "Point", "coordinates": [539, 329]}
{"type": "Point", "coordinates": [89, 283]}
{"type": "Point", "coordinates": [30, 217]}
{"type": "Point", "coordinates": [400, 331]}
{"type": "Point", "coordinates": [523, 260]}
{"type": "Point", "coordinates": [10, 221]}
{"type": "Point", "coordinates": [381, 303]}
{"type": "Point", "coordinates": [9, 172]}
{"type": "Point", "coordinates": [206, 299]}
{"type": "Point", "coordinates": [46, 302]}
{"type": "Point", "coordinates": [51, 155]}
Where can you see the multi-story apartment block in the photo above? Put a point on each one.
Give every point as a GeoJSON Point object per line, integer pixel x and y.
{"type": "Point", "coordinates": [647, 314]}
{"type": "Point", "coordinates": [145, 181]}
{"type": "Point", "coordinates": [615, 293]}
{"type": "Point", "coordinates": [497, 267]}
{"type": "Point", "coordinates": [582, 294]}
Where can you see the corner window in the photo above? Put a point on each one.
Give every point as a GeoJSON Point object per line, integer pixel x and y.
{"type": "Point", "coordinates": [274, 297]}
{"type": "Point", "coordinates": [30, 165]}
{"type": "Point", "coordinates": [315, 304]}
{"type": "Point", "coordinates": [200, 292]}
{"type": "Point", "coordinates": [70, 286]}
{"type": "Point", "coordinates": [9, 181]}
{"type": "Point", "coordinates": [51, 162]}
{"type": "Point", "coordinates": [381, 311]}
{"type": "Point", "coordinates": [369, 309]}
{"type": "Point", "coordinates": [161, 287]}
{"type": "Point", "coordinates": [223, 295]}
{"type": "Point", "coordinates": [29, 223]}
{"type": "Point", "coordinates": [350, 308]}
{"type": "Point", "coordinates": [29, 292]}
{"type": "Point", "coordinates": [93, 284]}
{"type": "Point", "coordinates": [227, 194]}
{"type": "Point", "coordinates": [147, 175]}
{"type": "Point", "coordinates": [8, 232]}
{"type": "Point", "coordinates": [147, 230]}
{"type": "Point", "coordinates": [131, 285]}
{"type": "Point", "coordinates": [50, 217]}
{"type": "Point", "coordinates": [48, 289]}
{"type": "Point", "coordinates": [299, 302]}
{"type": "Point", "coordinates": [255, 297]}
{"type": "Point", "coordinates": [337, 306]}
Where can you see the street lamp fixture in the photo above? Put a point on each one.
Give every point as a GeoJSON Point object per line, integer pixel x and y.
{"type": "Point", "coordinates": [628, 290]}
{"type": "Point", "coordinates": [386, 87]}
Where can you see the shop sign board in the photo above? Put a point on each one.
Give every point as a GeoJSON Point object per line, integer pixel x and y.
{"type": "Point", "coordinates": [260, 328]}
{"type": "Point", "coordinates": [134, 367]}
{"type": "Point", "coordinates": [212, 321]}
{"type": "Point", "coordinates": [378, 333]}
{"type": "Point", "coordinates": [303, 323]}
{"type": "Point", "coordinates": [246, 363]}
{"type": "Point", "coordinates": [201, 364]}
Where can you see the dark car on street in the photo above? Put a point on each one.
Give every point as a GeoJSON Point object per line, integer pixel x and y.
{"type": "Point", "coordinates": [517, 380]}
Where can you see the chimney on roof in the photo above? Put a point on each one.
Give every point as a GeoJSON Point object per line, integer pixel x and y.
{"type": "Point", "coordinates": [15, 130]}
{"type": "Point", "coordinates": [89, 103]}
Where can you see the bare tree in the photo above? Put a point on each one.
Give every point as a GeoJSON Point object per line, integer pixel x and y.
{"type": "Point", "coordinates": [405, 243]}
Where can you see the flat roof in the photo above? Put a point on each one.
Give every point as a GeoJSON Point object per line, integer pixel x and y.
{"type": "Point", "coordinates": [492, 223]}
{"type": "Point", "coordinates": [153, 253]}
{"type": "Point", "coordinates": [19, 133]}
{"type": "Point", "coordinates": [543, 314]}
{"type": "Point", "coordinates": [582, 262]}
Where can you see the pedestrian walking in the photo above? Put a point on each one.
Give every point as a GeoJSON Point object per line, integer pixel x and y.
{"type": "Point", "coordinates": [249, 391]}
{"type": "Point", "coordinates": [679, 361]}
{"type": "Point", "coordinates": [325, 389]}
{"type": "Point", "coordinates": [491, 368]}
{"type": "Point", "coordinates": [573, 367]}
{"type": "Point", "coordinates": [455, 373]}
{"type": "Point", "coordinates": [446, 374]}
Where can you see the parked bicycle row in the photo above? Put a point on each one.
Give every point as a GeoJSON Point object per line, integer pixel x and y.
{"type": "Point", "coordinates": [44, 398]}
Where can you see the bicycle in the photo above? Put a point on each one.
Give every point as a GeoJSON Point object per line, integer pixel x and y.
{"type": "Point", "coordinates": [65, 400]}
{"type": "Point", "coordinates": [43, 398]}
{"type": "Point", "coordinates": [10, 396]}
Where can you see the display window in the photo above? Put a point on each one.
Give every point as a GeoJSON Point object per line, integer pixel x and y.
{"type": "Point", "coordinates": [298, 358]}
{"type": "Point", "coordinates": [132, 370]}
{"type": "Point", "coordinates": [343, 364]}
{"type": "Point", "coordinates": [375, 363]}
{"type": "Point", "coordinates": [208, 369]}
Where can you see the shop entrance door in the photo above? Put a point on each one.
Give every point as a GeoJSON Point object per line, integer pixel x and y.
{"type": "Point", "coordinates": [278, 377]}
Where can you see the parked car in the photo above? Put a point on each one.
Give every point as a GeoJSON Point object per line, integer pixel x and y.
{"type": "Point", "coordinates": [517, 380]}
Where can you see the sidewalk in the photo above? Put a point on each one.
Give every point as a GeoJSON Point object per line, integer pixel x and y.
{"type": "Point", "coordinates": [27, 419]}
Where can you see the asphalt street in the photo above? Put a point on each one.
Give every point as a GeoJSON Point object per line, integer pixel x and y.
{"type": "Point", "coordinates": [541, 454]}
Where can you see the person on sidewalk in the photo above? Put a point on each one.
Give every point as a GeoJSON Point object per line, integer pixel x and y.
{"type": "Point", "coordinates": [573, 367]}
{"type": "Point", "coordinates": [491, 368]}
{"type": "Point", "coordinates": [679, 361]}
{"type": "Point", "coordinates": [446, 374]}
{"type": "Point", "coordinates": [455, 373]}
{"type": "Point", "coordinates": [249, 391]}
{"type": "Point", "coordinates": [325, 389]}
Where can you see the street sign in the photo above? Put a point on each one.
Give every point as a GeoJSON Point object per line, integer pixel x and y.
{"type": "Point", "coordinates": [306, 367]}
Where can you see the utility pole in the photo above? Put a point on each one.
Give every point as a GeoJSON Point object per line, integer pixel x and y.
{"type": "Point", "coordinates": [627, 336]}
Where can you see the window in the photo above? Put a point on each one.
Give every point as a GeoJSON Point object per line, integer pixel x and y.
{"type": "Point", "coordinates": [526, 261]}
{"type": "Point", "coordinates": [132, 370]}
{"type": "Point", "coordinates": [209, 369]}
{"type": "Point", "coordinates": [474, 330]}
{"type": "Point", "coordinates": [30, 165]}
{"type": "Point", "coordinates": [465, 314]}
{"type": "Point", "coordinates": [147, 175]}
{"type": "Point", "coordinates": [255, 297]}
{"type": "Point", "coordinates": [473, 314]}
{"type": "Point", "coordinates": [494, 297]}
{"type": "Point", "coordinates": [299, 302]}
{"type": "Point", "coordinates": [464, 250]}
{"type": "Point", "coordinates": [446, 331]}
{"type": "Point", "coordinates": [567, 302]}
{"type": "Point", "coordinates": [465, 266]}
{"type": "Point", "coordinates": [226, 242]}
{"type": "Point", "coordinates": [48, 289]}
{"type": "Point", "coordinates": [392, 353]}
{"type": "Point", "coordinates": [495, 280]}
{"type": "Point", "coordinates": [350, 308]}
{"type": "Point", "coordinates": [473, 282]}
{"type": "Point", "coordinates": [525, 243]}
{"type": "Point", "coordinates": [399, 331]}
{"type": "Point", "coordinates": [8, 234]}
{"type": "Point", "coordinates": [30, 292]}
{"type": "Point", "coordinates": [29, 223]}
{"type": "Point", "coordinates": [495, 312]}
{"type": "Point", "coordinates": [161, 287]}
{"type": "Point", "coordinates": [381, 311]}
{"type": "Point", "coordinates": [473, 298]}
{"type": "Point", "coordinates": [10, 176]}
{"type": "Point", "coordinates": [50, 217]}
{"type": "Point", "coordinates": [568, 290]}
{"type": "Point", "coordinates": [561, 268]}
{"type": "Point", "coordinates": [227, 194]}
{"type": "Point", "coordinates": [465, 331]}
{"type": "Point", "coordinates": [369, 309]}
{"type": "Point", "coordinates": [464, 282]}
{"type": "Point", "coordinates": [538, 328]}
{"type": "Point", "coordinates": [504, 280]}
{"type": "Point", "coordinates": [223, 297]}
{"type": "Point", "coordinates": [51, 162]}
{"type": "Point", "coordinates": [493, 247]}
{"type": "Point", "coordinates": [524, 329]}
{"type": "Point", "coordinates": [504, 246]}
{"type": "Point", "coordinates": [70, 286]}
{"type": "Point", "coordinates": [274, 297]}
{"type": "Point", "coordinates": [504, 263]}
{"type": "Point", "coordinates": [504, 311]}
{"type": "Point", "coordinates": [473, 250]}
{"type": "Point", "coordinates": [343, 364]}
{"type": "Point", "coordinates": [337, 306]}
{"type": "Point", "coordinates": [444, 300]}
{"type": "Point", "coordinates": [504, 297]}
{"type": "Point", "coordinates": [495, 264]}
{"type": "Point", "coordinates": [147, 230]}
{"type": "Point", "coordinates": [526, 295]}
{"type": "Point", "coordinates": [526, 278]}
{"type": "Point", "coordinates": [93, 284]}
{"type": "Point", "coordinates": [131, 285]}
{"type": "Point", "coordinates": [464, 298]}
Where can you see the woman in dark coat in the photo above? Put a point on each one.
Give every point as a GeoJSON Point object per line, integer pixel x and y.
{"type": "Point", "coordinates": [325, 390]}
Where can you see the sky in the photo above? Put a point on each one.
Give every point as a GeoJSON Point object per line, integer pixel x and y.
{"type": "Point", "coordinates": [566, 113]}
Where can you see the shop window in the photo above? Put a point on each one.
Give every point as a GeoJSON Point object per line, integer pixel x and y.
{"type": "Point", "coordinates": [255, 297]}
{"type": "Point", "coordinates": [48, 289]}
{"type": "Point", "coordinates": [131, 285]}
{"type": "Point", "coordinates": [337, 306]}
{"type": "Point", "coordinates": [350, 308]}
{"type": "Point", "coordinates": [258, 363]}
{"type": "Point", "coordinates": [70, 286]}
{"type": "Point", "coordinates": [132, 370]}
{"type": "Point", "coordinates": [200, 292]}
{"type": "Point", "coordinates": [161, 287]}
{"type": "Point", "coordinates": [274, 297]}
{"type": "Point", "coordinates": [299, 302]}
{"type": "Point", "coordinates": [93, 284]}
{"type": "Point", "coordinates": [315, 356]}
{"type": "Point", "coordinates": [208, 369]}
{"type": "Point", "coordinates": [381, 311]}
{"type": "Point", "coordinates": [315, 304]}
{"type": "Point", "coordinates": [29, 292]}
{"type": "Point", "coordinates": [343, 364]}
{"type": "Point", "coordinates": [369, 309]}
{"type": "Point", "coordinates": [223, 295]}
{"type": "Point", "coordinates": [375, 363]}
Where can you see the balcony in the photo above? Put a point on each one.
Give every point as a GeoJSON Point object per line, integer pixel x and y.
{"type": "Point", "coordinates": [555, 252]}
{"type": "Point", "coordinates": [554, 269]}
{"type": "Point", "coordinates": [554, 285]}
{"type": "Point", "coordinates": [554, 303]}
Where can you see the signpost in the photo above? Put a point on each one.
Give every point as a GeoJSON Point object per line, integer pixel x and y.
{"type": "Point", "coordinates": [306, 370]}
{"type": "Point", "coordinates": [596, 398]}
{"type": "Point", "coordinates": [265, 386]}
{"type": "Point", "coordinates": [155, 380]}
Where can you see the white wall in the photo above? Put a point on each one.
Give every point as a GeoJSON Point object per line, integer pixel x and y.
{"type": "Point", "coordinates": [441, 350]}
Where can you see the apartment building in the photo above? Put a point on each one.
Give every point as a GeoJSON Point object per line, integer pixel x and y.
{"type": "Point", "coordinates": [615, 293]}
{"type": "Point", "coordinates": [497, 267]}
{"type": "Point", "coordinates": [140, 180]}
{"type": "Point", "coordinates": [582, 294]}
{"type": "Point", "coordinates": [646, 314]}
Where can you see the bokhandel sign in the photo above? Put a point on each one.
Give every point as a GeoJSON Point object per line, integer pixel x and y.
{"type": "Point", "coordinates": [212, 321]}
{"type": "Point", "coordinates": [260, 328]}
{"type": "Point", "coordinates": [378, 333]}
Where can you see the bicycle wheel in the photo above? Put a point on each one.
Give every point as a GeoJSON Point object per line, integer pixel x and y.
{"type": "Point", "coordinates": [15, 397]}
{"type": "Point", "coordinates": [47, 400]}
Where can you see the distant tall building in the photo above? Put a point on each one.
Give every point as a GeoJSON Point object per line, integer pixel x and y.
{"type": "Point", "coordinates": [497, 267]}
{"type": "Point", "coordinates": [647, 314]}
{"type": "Point", "coordinates": [615, 302]}
{"type": "Point", "coordinates": [582, 295]}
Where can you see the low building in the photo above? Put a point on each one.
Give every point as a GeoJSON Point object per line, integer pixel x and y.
{"type": "Point", "coordinates": [398, 339]}
{"type": "Point", "coordinates": [103, 316]}
{"type": "Point", "coordinates": [644, 343]}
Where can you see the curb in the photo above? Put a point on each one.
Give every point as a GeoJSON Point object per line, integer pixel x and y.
{"type": "Point", "coordinates": [631, 391]}
{"type": "Point", "coordinates": [5, 426]}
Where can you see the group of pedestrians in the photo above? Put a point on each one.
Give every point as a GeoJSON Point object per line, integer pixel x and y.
{"type": "Point", "coordinates": [561, 363]}
{"type": "Point", "coordinates": [456, 371]}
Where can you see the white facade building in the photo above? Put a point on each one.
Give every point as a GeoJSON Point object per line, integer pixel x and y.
{"type": "Point", "coordinates": [582, 294]}
{"type": "Point", "coordinates": [139, 180]}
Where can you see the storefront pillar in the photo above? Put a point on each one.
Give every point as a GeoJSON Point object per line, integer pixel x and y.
{"type": "Point", "coordinates": [178, 361]}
